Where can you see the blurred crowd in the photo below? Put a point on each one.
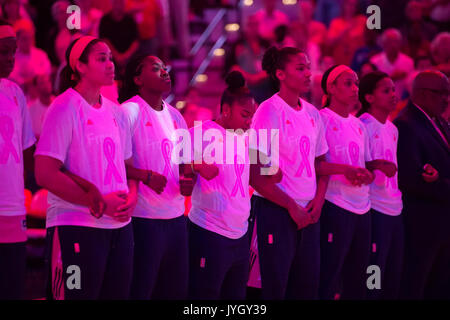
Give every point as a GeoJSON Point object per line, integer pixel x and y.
{"type": "Point", "coordinates": [414, 36]}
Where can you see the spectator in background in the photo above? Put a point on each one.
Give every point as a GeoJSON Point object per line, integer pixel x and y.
{"type": "Point", "coordinates": [119, 31]}
{"type": "Point", "coordinates": [269, 18]}
{"type": "Point", "coordinates": [393, 62]}
{"type": "Point", "coordinates": [317, 93]}
{"type": "Point", "coordinates": [440, 51]}
{"type": "Point", "coordinates": [148, 14]}
{"type": "Point", "coordinates": [30, 60]}
{"type": "Point", "coordinates": [416, 31]}
{"type": "Point", "coordinates": [59, 36]}
{"type": "Point", "coordinates": [13, 11]}
{"type": "Point", "coordinates": [300, 35]}
{"type": "Point", "coordinates": [247, 56]}
{"type": "Point", "coordinates": [317, 31]}
{"type": "Point", "coordinates": [439, 13]}
{"type": "Point", "coordinates": [367, 68]}
{"type": "Point", "coordinates": [90, 17]}
{"type": "Point", "coordinates": [346, 33]}
{"type": "Point", "coordinates": [193, 111]}
{"type": "Point", "coordinates": [327, 10]}
{"type": "Point", "coordinates": [421, 63]}
{"type": "Point", "coordinates": [38, 107]}
{"type": "Point", "coordinates": [364, 53]}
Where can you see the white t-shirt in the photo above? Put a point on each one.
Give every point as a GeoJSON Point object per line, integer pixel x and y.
{"type": "Point", "coordinates": [152, 142]}
{"type": "Point", "coordinates": [222, 205]}
{"type": "Point", "coordinates": [16, 135]}
{"type": "Point", "coordinates": [301, 140]}
{"type": "Point", "coordinates": [37, 113]}
{"type": "Point", "coordinates": [91, 143]}
{"type": "Point", "coordinates": [385, 196]}
{"type": "Point", "coordinates": [348, 144]}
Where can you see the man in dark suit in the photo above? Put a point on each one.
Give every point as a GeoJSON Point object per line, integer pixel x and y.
{"type": "Point", "coordinates": [424, 179]}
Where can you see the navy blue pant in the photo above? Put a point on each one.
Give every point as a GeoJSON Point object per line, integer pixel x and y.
{"type": "Point", "coordinates": [345, 251]}
{"type": "Point", "coordinates": [289, 258]}
{"type": "Point", "coordinates": [160, 259]}
{"type": "Point", "coordinates": [218, 266]}
{"type": "Point", "coordinates": [387, 253]}
{"type": "Point", "coordinates": [12, 270]}
{"type": "Point", "coordinates": [101, 260]}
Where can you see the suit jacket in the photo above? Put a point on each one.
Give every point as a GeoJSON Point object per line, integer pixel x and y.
{"type": "Point", "coordinates": [419, 143]}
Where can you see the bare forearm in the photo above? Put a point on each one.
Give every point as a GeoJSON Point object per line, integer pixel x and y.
{"type": "Point", "coordinates": [136, 174]}
{"type": "Point", "coordinates": [324, 168]}
{"type": "Point", "coordinates": [133, 186]}
{"type": "Point", "coordinates": [322, 185]}
{"type": "Point", "coordinates": [64, 186]}
{"type": "Point", "coordinates": [273, 193]}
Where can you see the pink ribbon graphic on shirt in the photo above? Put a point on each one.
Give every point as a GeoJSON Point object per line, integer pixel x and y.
{"type": "Point", "coordinates": [353, 150]}
{"type": "Point", "coordinates": [109, 148]}
{"type": "Point", "coordinates": [7, 132]}
{"type": "Point", "coordinates": [391, 181]}
{"type": "Point", "coordinates": [304, 150]}
{"type": "Point", "coordinates": [166, 149]}
{"type": "Point", "coordinates": [239, 170]}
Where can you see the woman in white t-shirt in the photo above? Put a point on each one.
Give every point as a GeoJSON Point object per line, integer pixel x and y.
{"type": "Point", "coordinates": [345, 222]}
{"type": "Point", "coordinates": [16, 141]}
{"type": "Point", "coordinates": [219, 243]}
{"type": "Point", "coordinates": [160, 231]}
{"type": "Point", "coordinates": [81, 153]}
{"type": "Point", "coordinates": [378, 100]}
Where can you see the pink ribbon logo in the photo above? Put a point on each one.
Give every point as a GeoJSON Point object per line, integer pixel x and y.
{"type": "Point", "coordinates": [7, 132]}
{"type": "Point", "coordinates": [391, 181]}
{"type": "Point", "coordinates": [109, 148]}
{"type": "Point", "coordinates": [353, 150]}
{"type": "Point", "coordinates": [166, 149]}
{"type": "Point", "coordinates": [239, 170]}
{"type": "Point", "coordinates": [304, 150]}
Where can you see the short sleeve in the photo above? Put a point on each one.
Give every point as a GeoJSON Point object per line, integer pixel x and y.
{"type": "Point", "coordinates": [28, 137]}
{"type": "Point", "coordinates": [367, 153]}
{"type": "Point", "coordinates": [181, 123]}
{"type": "Point", "coordinates": [125, 131]}
{"type": "Point", "coordinates": [265, 118]}
{"type": "Point", "coordinates": [56, 135]}
{"type": "Point", "coordinates": [131, 114]}
{"type": "Point", "coordinates": [321, 145]}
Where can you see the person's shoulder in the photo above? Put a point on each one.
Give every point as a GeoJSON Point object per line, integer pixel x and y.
{"type": "Point", "coordinates": [366, 119]}
{"type": "Point", "coordinates": [408, 118]}
{"type": "Point", "coordinates": [271, 103]}
{"type": "Point", "coordinates": [404, 58]}
{"type": "Point", "coordinates": [174, 112]}
{"type": "Point", "coordinates": [391, 126]}
{"type": "Point", "coordinates": [64, 105]}
{"type": "Point", "coordinates": [131, 106]}
{"type": "Point", "coordinates": [376, 58]}
{"type": "Point", "coordinates": [38, 52]}
{"type": "Point", "coordinates": [9, 85]}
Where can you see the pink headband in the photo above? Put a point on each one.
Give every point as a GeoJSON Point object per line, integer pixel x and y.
{"type": "Point", "coordinates": [77, 50]}
{"type": "Point", "coordinates": [336, 72]}
{"type": "Point", "coordinates": [7, 32]}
